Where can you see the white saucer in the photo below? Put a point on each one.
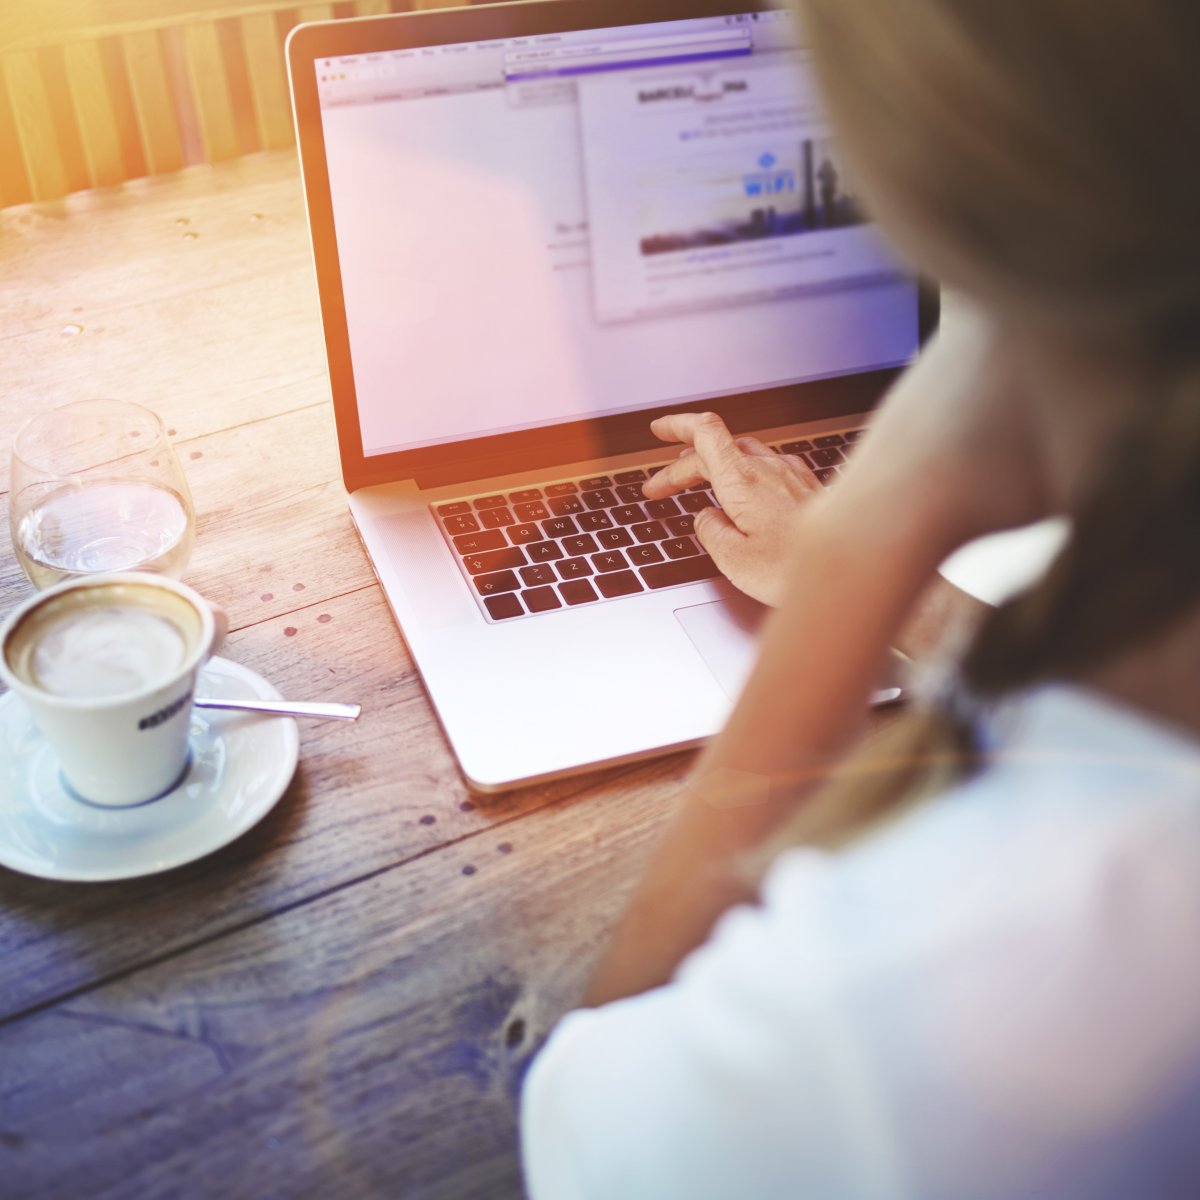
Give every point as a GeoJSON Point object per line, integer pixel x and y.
{"type": "Point", "coordinates": [241, 765]}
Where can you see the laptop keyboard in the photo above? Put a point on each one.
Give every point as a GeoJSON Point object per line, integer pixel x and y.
{"type": "Point", "coordinates": [592, 538]}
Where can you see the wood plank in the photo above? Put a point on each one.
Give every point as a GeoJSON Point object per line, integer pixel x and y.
{"type": "Point", "coordinates": [94, 113]}
{"type": "Point", "coordinates": [116, 74]}
{"type": "Point", "coordinates": [315, 12]}
{"type": "Point", "coordinates": [368, 796]}
{"type": "Point", "coordinates": [14, 183]}
{"type": "Point", "coordinates": [369, 1043]}
{"type": "Point", "coordinates": [58, 91]}
{"type": "Point", "coordinates": [152, 101]}
{"type": "Point", "coordinates": [210, 91]}
{"type": "Point", "coordinates": [36, 132]}
{"type": "Point", "coordinates": [47, 22]}
{"type": "Point", "coordinates": [268, 81]}
{"type": "Point", "coordinates": [371, 8]}
{"type": "Point", "coordinates": [246, 219]}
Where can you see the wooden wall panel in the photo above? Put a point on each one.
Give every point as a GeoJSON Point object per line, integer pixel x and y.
{"type": "Point", "coordinates": [152, 101]}
{"type": "Point", "coordinates": [268, 80]}
{"type": "Point", "coordinates": [89, 91]}
{"type": "Point", "coordinates": [34, 121]}
{"type": "Point", "coordinates": [210, 91]}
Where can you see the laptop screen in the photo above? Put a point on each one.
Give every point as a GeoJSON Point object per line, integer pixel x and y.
{"type": "Point", "coordinates": [545, 229]}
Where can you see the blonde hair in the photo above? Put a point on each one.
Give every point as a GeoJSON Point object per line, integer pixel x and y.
{"type": "Point", "coordinates": [1040, 155]}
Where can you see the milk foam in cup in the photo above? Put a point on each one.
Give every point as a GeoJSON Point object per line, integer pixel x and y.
{"type": "Point", "coordinates": [107, 666]}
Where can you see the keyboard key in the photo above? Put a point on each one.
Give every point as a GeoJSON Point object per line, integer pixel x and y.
{"type": "Point", "coordinates": [629, 476]}
{"type": "Point", "coordinates": [596, 481]}
{"type": "Point", "coordinates": [702, 486]}
{"type": "Point", "coordinates": [642, 556]}
{"type": "Point", "coordinates": [601, 499]}
{"type": "Point", "coordinates": [501, 581]}
{"type": "Point", "coordinates": [578, 591]}
{"type": "Point", "coordinates": [536, 576]}
{"type": "Point", "coordinates": [614, 539]}
{"type": "Point", "coordinates": [477, 543]}
{"type": "Point", "coordinates": [826, 474]}
{"type": "Point", "coordinates": [536, 511]}
{"type": "Point", "coordinates": [583, 543]}
{"type": "Point", "coordinates": [453, 510]}
{"type": "Point", "coordinates": [681, 526]}
{"type": "Point", "coordinates": [544, 552]}
{"type": "Point", "coordinates": [829, 457]}
{"type": "Point", "coordinates": [829, 439]}
{"type": "Point", "coordinates": [662, 508]}
{"type": "Point", "coordinates": [796, 447]}
{"type": "Point", "coordinates": [853, 435]}
{"type": "Point", "coordinates": [490, 502]}
{"type": "Point", "coordinates": [650, 531]}
{"type": "Point", "coordinates": [610, 560]}
{"type": "Point", "coordinates": [595, 520]}
{"type": "Point", "coordinates": [463, 524]}
{"type": "Point", "coordinates": [502, 607]}
{"type": "Point", "coordinates": [563, 505]}
{"type": "Point", "coordinates": [561, 489]}
{"type": "Point", "coordinates": [627, 514]}
{"type": "Point", "coordinates": [542, 599]}
{"type": "Point", "coordinates": [682, 547]}
{"type": "Point", "coordinates": [685, 570]}
{"type": "Point", "coordinates": [519, 535]}
{"type": "Point", "coordinates": [558, 527]}
{"type": "Point", "coordinates": [629, 493]}
{"type": "Point", "coordinates": [622, 583]}
{"type": "Point", "coordinates": [495, 560]}
{"type": "Point", "coordinates": [525, 495]}
{"type": "Point", "coordinates": [693, 502]}
{"type": "Point", "coordinates": [574, 568]}
{"type": "Point", "coordinates": [493, 518]}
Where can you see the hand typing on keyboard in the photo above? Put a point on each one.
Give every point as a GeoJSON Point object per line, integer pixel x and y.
{"type": "Point", "coordinates": [760, 491]}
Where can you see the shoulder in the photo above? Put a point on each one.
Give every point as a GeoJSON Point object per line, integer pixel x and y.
{"type": "Point", "coordinates": [1005, 972]}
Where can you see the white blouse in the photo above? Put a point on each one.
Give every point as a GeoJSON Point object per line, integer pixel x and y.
{"type": "Point", "coordinates": [996, 996]}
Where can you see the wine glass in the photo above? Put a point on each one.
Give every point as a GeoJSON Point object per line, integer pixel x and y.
{"type": "Point", "coordinates": [96, 487]}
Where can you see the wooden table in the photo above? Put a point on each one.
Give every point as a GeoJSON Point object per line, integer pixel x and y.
{"type": "Point", "coordinates": [342, 1002]}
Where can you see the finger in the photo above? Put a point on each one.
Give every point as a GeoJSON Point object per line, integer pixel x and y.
{"type": "Point", "coordinates": [676, 476]}
{"type": "Point", "coordinates": [751, 445]}
{"type": "Point", "coordinates": [719, 536]}
{"type": "Point", "coordinates": [721, 462]}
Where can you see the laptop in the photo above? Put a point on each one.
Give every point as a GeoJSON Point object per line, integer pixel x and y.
{"type": "Point", "coordinates": [536, 227]}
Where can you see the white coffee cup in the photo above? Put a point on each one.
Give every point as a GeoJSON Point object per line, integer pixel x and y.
{"type": "Point", "coordinates": [106, 666]}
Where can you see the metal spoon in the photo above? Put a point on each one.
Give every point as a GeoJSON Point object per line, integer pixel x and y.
{"type": "Point", "coordinates": [287, 708]}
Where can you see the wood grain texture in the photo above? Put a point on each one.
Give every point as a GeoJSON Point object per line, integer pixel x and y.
{"type": "Point", "coordinates": [367, 797]}
{"type": "Point", "coordinates": [371, 1042]}
{"type": "Point", "coordinates": [94, 112]}
{"type": "Point", "coordinates": [45, 22]}
{"type": "Point", "coordinates": [209, 86]}
{"type": "Point", "coordinates": [268, 80]}
{"type": "Point", "coordinates": [33, 119]}
{"type": "Point", "coordinates": [152, 101]}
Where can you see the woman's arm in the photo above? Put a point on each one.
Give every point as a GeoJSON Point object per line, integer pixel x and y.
{"type": "Point", "coordinates": [947, 459]}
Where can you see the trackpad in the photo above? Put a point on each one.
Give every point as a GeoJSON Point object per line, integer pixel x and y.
{"type": "Point", "coordinates": [725, 632]}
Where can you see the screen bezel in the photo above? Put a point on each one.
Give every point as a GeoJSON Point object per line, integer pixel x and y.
{"type": "Point", "coordinates": [567, 442]}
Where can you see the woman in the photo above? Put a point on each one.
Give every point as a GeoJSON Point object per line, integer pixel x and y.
{"type": "Point", "coordinates": [974, 968]}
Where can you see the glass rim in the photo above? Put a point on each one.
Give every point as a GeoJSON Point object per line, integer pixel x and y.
{"type": "Point", "coordinates": [152, 419]}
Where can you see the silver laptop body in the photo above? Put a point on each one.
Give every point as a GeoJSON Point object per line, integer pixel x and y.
{"type": "Point", "coordinates": [536, 226]}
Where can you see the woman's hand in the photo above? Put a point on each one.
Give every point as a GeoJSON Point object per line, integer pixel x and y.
{"type": "Point", "coordinates": [760, 492]}
{"type": "Point", "coordinates": [953, 451]}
